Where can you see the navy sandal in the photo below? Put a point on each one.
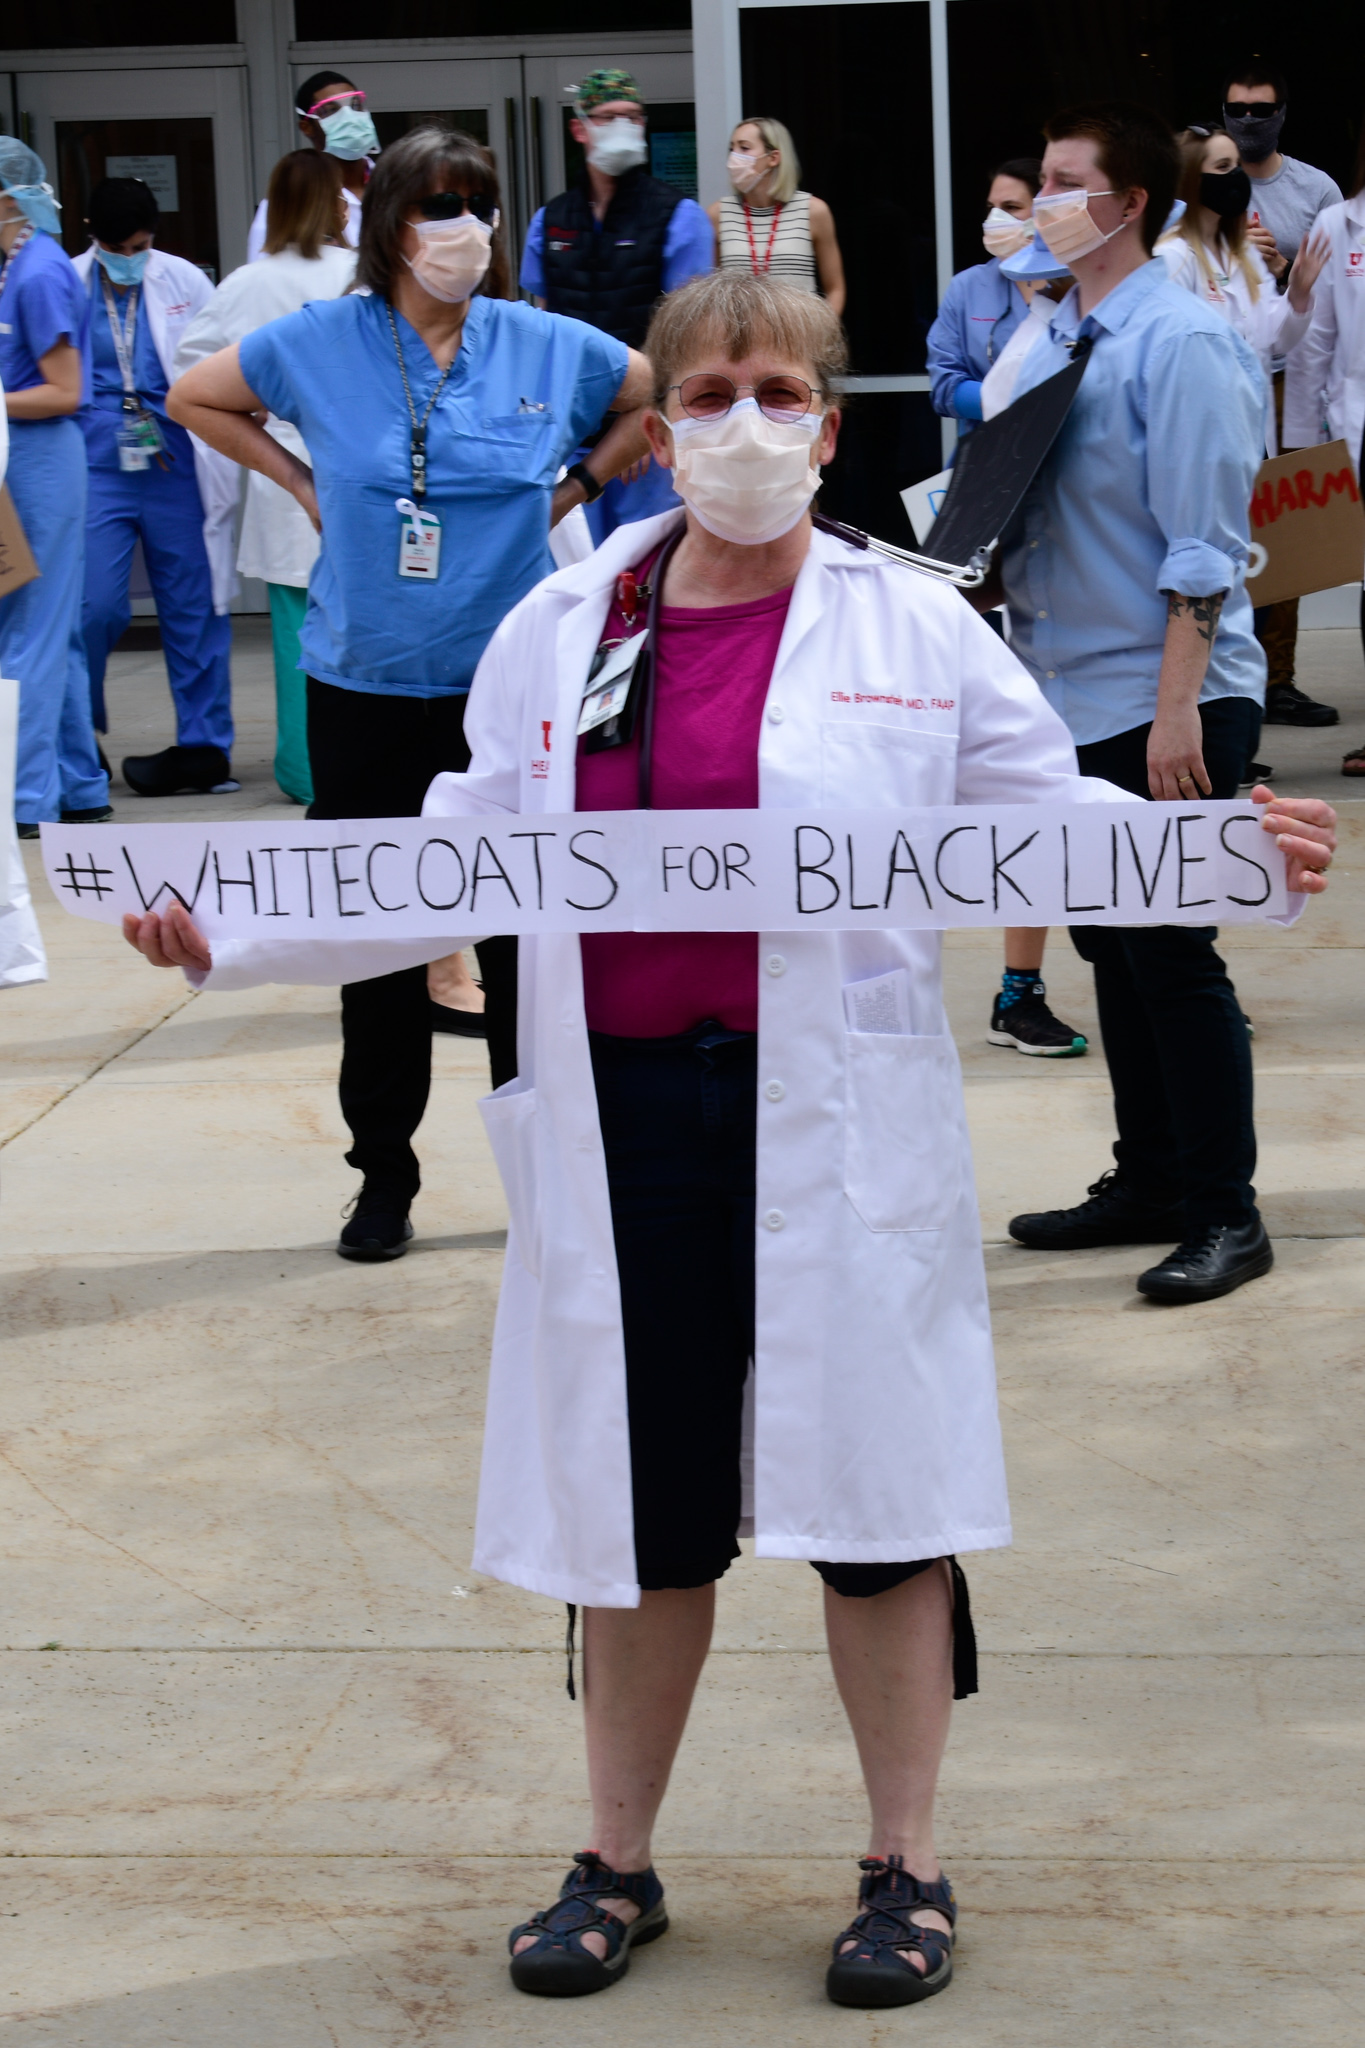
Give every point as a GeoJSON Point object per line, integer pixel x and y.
{"type": "Point", "coordinates": [877, 1970]}
{"type": "Point", "coordinates": [558, 1965]}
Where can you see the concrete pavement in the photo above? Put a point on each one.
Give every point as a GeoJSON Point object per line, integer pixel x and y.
{"type": "Point", "coordinates": [282, 1770]}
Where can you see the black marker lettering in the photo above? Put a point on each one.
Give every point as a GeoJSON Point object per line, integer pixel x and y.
{"type": "Point", "coordinates": [1113, 867]}
{"type": "Point", "coordinates": [345, 881]}
{"type": "Point", "coordinates": [1187, 860]}
{"type": "Point", "coordinates": [819, 867]}
{"type": "Point", "coordinates": [938, 868]}
{"type": "Point", "coordinates": [270, 852]}
{"type": "Point", "coordinates": [535, 839]}
{"type": "Point", "coordinates": [671, 867]}
{"type": "Point", "coordinates": [379, 903]}
{"type": "Point", "coordinates": [308, 852]}
{"type": "Point", "coordinates": [1245, 818]}
{"type": "Point", "coordinates": [1066, 878]}
{"type": "Point", "coordinates": [692, 869]}
{"type": "Point", "coordinates": [501, 874]}
{"type": "Point", "coordinates": [167, 888]}
{"type": "Point", "coordinates": [592, 832]}
{"type": "Point", "coordinates": [458, 897]}
{"type": "Point", "coordinates": [1148, 894]}
{"type": "Point", "coordinates": [998, 867]}
{"type": "Point", "coordinates": [852, 884]}
{"type": "Point", "coordinates": [737, 867]}
{"type": "Point", "coordinates": [893, 869]}
{"type": "Point", "coordinates": [247, 881]}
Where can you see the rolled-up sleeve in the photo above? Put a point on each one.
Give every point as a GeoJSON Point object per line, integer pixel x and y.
{"type": "Point", "coordinates": [1205, 406]}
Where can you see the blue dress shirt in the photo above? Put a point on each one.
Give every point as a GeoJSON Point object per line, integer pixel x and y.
{"type": "Point", "coordinates": [689, 249]}
{"type": "Point", "coordinates": [1146, 490]}
{"type": "Point", "coordinates": [980, 311]}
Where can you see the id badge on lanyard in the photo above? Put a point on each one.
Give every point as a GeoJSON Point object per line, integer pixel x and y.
{"type": "Point", "coordinates": [139, 439]}
{"type": "Point", "coordinates": [609, 684]}
{"type": "Point", "coordinates": [419, 542]}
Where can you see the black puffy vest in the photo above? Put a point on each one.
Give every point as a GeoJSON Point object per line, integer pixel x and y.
{"type": "Point", "coordinates": [609, 276]}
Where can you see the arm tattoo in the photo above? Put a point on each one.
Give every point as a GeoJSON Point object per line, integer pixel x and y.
{"type": "Point", "coordinates": [1205, 611]}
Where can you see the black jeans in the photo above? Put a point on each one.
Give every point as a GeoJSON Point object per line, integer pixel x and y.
{"type": "Point", "coordinates": [373, 757]}
{"type": "Point", "coordinates": [1174, 1035]}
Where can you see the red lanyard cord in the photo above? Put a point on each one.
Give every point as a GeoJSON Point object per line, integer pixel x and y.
{"type": "Point", "coordinates": [772, 237]}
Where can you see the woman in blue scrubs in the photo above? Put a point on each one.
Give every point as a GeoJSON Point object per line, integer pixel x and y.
{"type": "Point", "coordinates": [437, 414]}
{"type": "Point", "coordinates": [45, 371]}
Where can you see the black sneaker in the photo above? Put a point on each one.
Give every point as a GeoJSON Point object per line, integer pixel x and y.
{"type": "Point", "coordinates": [379, 1228]}
{"type": "Point", "coordinates": [1254, 772]}
{"type": "Point", "coordinates": [1286, 705]}
{"type": "Point", "coordinates": [1115, 1214]}
{"type": "Point", "coordinates": [1204, 1267]}
{"type": "Point", "coordinates": [1029, 1026]}
{"type": "Point", "coordinates": [177, 771]}
{"type": "Point", "coordinates": [99, 816]}
{"type": "Point", "coordinates": [26, 831]}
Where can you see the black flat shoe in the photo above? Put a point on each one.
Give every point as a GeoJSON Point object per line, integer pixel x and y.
{"type": "Point", "coordinates": [178, 771]}
{"type": "Point", "coordinates": [1286, 705]}
{"type": "Point", "coordinates": [29, 831]}
{"type": "Point", "coordinates": [1115, 1214]}
{"type": "Point", "coordinates": [1205, 1267]}
{"type": "Point", "coordinates": [99, 816]}
{"type": "Point", "coordinates": [458, 1023]}
{"type": "Point", "coordinates": [379, 1227]}
{"type": "Point", "coordinates": [872, 1967]}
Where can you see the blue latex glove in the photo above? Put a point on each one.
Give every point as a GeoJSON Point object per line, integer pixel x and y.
{"type": "Point", "coordinates": [967, 400]}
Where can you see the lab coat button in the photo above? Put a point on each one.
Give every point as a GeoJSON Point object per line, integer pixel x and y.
{"type": "Point", "coordinates": [774, 1219]}
{"type": "Point", "coordinates": [775, 714]}
{"type": "Point", "coordinates": [774, 1091]}
{"type": "Point", "coordinates": [775, 964]}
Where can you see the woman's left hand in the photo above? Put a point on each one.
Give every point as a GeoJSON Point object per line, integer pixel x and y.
{"type": "Point", "coordinates": [1305, 832]}
{"type": "Point", "coordinates": [1307, 270]}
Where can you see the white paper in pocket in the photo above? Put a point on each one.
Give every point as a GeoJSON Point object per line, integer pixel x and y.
{"type": "Point", "coordinates": [882, 1005]}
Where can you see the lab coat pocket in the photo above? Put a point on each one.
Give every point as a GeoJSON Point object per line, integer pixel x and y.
{"type": "Point", "coordinates": [886, 767]}
{"type": "Point", "coordinates": [509, 1118]}
{"type": "Point", "coordinates": [902, 1145]}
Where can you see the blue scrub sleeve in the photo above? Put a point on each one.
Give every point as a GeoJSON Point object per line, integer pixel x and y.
{"type": "Point", "coordinates": [51, 307]}
{"type": "Point", "coordinates": [948, 358]}
{"type": "Point", "coordinates": [601, 373]}
{"type": "Point", "coordinates": [1205, 428]}
{"type": "Point", "coordinates": [689, 246]}
{"type": "Point", "coordinates": [266, 358]}
{"type": "Point", "coordinates": [533, 257]}
{"type": "Point", "coordinates": [967, 399]}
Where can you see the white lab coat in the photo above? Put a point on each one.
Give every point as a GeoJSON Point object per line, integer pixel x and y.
{"type": "Point", "coordinates": [255, 240]}
{"type": "Point", "coordinates": [1268, 322]}
{"type": "Point", "coordinates": [173, 291]}
{"type": "Point", "coordinates": [278, 542]}
{"type": "Point", "coordinates": [1324, 389]}
{"type": "Point", "coordinates": [876, 1436]}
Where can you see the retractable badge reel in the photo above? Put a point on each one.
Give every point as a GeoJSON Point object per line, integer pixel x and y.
{"type": "Point", "coordinates": [419, 542]}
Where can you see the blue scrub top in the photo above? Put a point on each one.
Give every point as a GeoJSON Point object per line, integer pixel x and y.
{"type": "Point", "coordinates": [42, 302]}
{"type": "Point", "coordinates": [524, 390]}
{"type": "Point", "coordinates": [100, 418]}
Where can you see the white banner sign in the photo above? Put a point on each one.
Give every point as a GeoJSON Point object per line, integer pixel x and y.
{"type": "Point", "coordinates": [684, 871]}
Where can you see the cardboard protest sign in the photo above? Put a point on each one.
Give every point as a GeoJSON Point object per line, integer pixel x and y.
{"type": "Point", "coordinates": [1307, 524]}
{"type": "Point", "coordinates": [17, 566]}
{"type": "Point", "coordinates": [456, 879]}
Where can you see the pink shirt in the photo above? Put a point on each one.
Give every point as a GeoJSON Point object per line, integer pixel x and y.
{"type": "Point", "coordinates": [711, 682]}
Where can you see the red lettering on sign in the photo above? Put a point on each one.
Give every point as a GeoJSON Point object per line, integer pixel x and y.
{"type": "Point", "coordinates": [1298, 493]}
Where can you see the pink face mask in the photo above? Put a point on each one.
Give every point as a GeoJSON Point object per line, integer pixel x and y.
{"type": "Point", "coordinates": [453, 258]}
{"type": "Point", "coordinates": [744, 171]}
{"type": "Point", "coordinates": [1065, 222]}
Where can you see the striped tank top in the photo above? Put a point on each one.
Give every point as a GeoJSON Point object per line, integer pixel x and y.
{"type": "Point", "coordinates": [784, 250]}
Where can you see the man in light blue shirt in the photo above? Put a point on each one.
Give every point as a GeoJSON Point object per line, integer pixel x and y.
{"type": "Point", "coordinates": [1124, 575]}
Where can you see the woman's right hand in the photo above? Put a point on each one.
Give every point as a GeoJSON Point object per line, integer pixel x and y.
{"type": "Point", "coordinates": [172, 940]}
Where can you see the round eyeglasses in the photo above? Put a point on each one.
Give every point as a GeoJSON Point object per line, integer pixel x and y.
{"type": "Point", "coordinates": [706, 396]}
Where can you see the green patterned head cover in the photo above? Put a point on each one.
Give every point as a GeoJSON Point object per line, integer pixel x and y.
{"type": "Point", "coordinates": [600, 87]}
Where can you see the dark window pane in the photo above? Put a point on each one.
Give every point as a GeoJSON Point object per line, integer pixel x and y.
{"type": "Point", "coordinates": [339, 21]}
{"type": "Point", "coordinates": [887, 440]}
{"type": "Point", "coordinates": [825, 72]}
{"type": "Point", "coordinates": [471, 120]}
{"type": "Point", "coordinates": [114, 24]}
{"type": "Point", "coordinates": [174, 157]}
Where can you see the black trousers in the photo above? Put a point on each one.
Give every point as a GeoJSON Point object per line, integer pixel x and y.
{"type": "Point", "coordinates": [373, 757]}
{"type": "Point", "coordinates": [1174, 1034]}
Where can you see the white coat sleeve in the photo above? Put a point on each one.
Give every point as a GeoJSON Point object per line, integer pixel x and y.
{"type": "Point", "coordinates": [255, 239]}
{"type": "Point", "coordinates": [1012, 746]}
{"type": "Point", "coordinates": [1310, 367]}
{"type": "Point", "coordinates": [205, 335]}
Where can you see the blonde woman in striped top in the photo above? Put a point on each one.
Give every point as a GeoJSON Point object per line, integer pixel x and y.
{"type": "Point", "coordinates": [769, 227]}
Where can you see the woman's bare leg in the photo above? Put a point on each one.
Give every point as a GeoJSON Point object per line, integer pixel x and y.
{"type": "Point", "coordinates": [1024, 948]}
{"type": "Point", "coordinates": [640, 1670]}
{"type": "Point", "coordinates": [893, 1664]}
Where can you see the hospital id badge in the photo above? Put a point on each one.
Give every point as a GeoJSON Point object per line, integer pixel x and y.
{"type": "Point", "coordinates": [139, 439]}
{"type": "Point", "coordinates": [419, 543]}
{"type": "Point", "coordinates": [608, 689]}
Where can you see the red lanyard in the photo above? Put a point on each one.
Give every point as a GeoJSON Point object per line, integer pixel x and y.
{"type": "Point", "coordinates": [772, 237]}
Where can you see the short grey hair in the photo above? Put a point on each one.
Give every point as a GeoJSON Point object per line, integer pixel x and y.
{"type": "Point", "coordinates": [736, 312]}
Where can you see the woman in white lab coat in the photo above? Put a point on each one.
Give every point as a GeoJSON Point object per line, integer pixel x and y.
{"type": "Point", "coordinates": [305, 258]}
{"type": "Point", "coordinates": [707, 1166]}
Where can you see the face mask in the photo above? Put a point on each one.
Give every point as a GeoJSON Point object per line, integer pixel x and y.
{"type": "Point", "coordinates": [122, 270]}
{"type": "Point", "coordinates": [38, 205]}
{"type": "Point", "coordinates": [1065, 224]}
{"type": "Point", "coordinates": [1255, 131]}
{"type": "Point", "coordinates": [1226, 193]}
{"type": "Point", "coordinates": [746, 478]}
{"type": "Point", "coordinates": [743, 170]}
{"type": "Point", "coordinates": [349, 135]}
{"type": "Point", "coordinates": [618, 147]}
{"type": "Point", "coordinates": [454, 257]}
{"type": "Point", "coordinates": [1003, 234]}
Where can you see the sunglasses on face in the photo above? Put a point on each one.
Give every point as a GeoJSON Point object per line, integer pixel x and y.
{"type": "Point", "coordinates": [1251, 110]}
{"type": "Point", "coordinates": [708, 397]}
{"type": "Point", "coordinates": [334, 102]}
{"type": "Point", "coordinates": [450, 205]}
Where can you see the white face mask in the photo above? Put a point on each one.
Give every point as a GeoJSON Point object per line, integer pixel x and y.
{"type": "Point", "coordinates": [1065, 223]}
{"type": "Point", "coordinates": [746, 478]}
{"type": "Point", "coordinates": [1003, 235]}
{"type": "Point", "coordinates": [618, 147]}
{"type": "Point", "coordinates": [454, 256]}
{"type": "Point", "coordinates": [744, 170]}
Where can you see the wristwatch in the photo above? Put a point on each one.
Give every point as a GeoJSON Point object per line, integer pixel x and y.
{"type": "Point", "coordinates": [579, 473]}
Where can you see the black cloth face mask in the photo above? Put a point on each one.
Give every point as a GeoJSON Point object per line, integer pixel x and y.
{"type": "Point", "coordinates": [1256, 133]}
{"type": "Point", "coordinates": [1226, 193]}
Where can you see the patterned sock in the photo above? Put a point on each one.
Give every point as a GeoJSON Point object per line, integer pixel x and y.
{"type": "Point", "coordinates": [1019, 981]}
